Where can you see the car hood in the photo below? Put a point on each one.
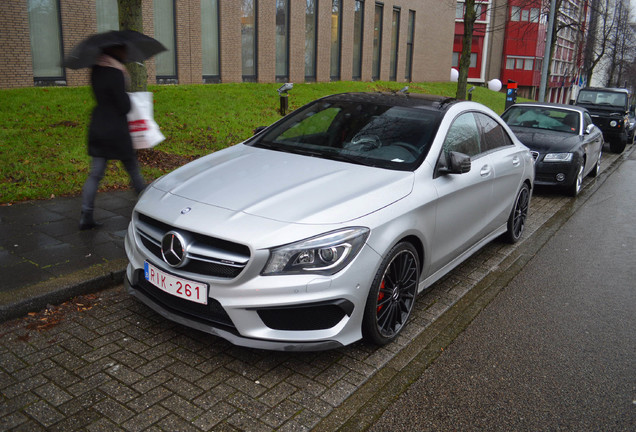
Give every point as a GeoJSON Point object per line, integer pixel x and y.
{"type": "Point", "coordinates": [286, 187]}
{"type": "Point", "coordinates": [546, 141]}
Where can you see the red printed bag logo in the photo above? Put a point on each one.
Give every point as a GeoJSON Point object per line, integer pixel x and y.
{"type": "Point", "coordinates": [138, 126]}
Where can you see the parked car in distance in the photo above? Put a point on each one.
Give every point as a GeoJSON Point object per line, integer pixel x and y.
{"type": "Point", "coordinates": [564, 142]}
{"type": "Point", "coordinates": [322, 228]}
{"type": "Point", "coordinates": [608, 108]}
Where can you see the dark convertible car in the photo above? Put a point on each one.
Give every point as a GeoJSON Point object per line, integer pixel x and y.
{"type": "Point", "coordinates": [564, 142]}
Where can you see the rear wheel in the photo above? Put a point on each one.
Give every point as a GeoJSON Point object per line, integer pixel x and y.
{"type": "Point", "coordinates": [518, 215]}
{"type": "Point", "coordinates": [392, 295]}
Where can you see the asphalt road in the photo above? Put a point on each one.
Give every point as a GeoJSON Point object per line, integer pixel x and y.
{"type": "Point", "coordinates": [556, 349]}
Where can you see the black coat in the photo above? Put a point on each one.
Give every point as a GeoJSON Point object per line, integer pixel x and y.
{"type": "Point", "coordinates": [108, 135]}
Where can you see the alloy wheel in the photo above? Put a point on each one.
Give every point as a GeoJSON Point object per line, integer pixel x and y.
{"type": "Point", "coordinates": [396, 294]}
{"type": "Point", "coordinates": [520, 212]}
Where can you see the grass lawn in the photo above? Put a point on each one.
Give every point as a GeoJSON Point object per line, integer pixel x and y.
{"type": "Point", "coordinates": [43, 129]}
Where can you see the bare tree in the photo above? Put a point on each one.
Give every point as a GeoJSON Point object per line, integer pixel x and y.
{"type": "Point", "coordinates": [620, 49]}
{"type": "Point", "coordinates": [604, 25]}
{"type": "Point", "coordinates": [131, 18]}
{"type": "Point", "coordinates": [464, 60]}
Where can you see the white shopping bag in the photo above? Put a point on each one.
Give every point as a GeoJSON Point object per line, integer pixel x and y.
{"type": "Point", "coordinates": [144, 130]}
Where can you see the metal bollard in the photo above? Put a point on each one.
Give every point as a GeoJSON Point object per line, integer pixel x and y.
{"type": "Point", "coordinates": [282, 92]}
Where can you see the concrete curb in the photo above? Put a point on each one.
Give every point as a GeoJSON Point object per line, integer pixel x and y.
{"type": "Point", "coordinates": [61, 289]}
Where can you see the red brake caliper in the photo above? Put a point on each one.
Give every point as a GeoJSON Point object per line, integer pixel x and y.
{"type": "Point", "coordinates": [380, 296]}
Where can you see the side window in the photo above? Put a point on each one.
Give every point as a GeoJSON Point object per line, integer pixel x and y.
{"type": "Point", "coordinates": [463, 136]}
{"type": "Point", "coordinates": [587, 120]}
{"type": "Point", "coordinates": [495, 135]}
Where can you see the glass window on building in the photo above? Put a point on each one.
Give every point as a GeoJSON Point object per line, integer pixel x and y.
{"type": "Point", "coordinates": [455, 60]}
{"type": "Point", "coordinates": [395, 39]}
{"type": "Point", "coordinates": [336, 30]}
{"type": "Point", "coordinates": [311, 18]}
{"type": "Point", "coordinates": [248, 40]}
{"type": "Point", "coordinates": [211, 67]}
{"type": "Point", "coordinates": [377, 41]}
{"type": "Point", "coordinates": [519, 64]}
{"type": "Point", "coordinates": [410, 37]}
{"type": "Point", "coordinates": [358, 25]}
{"type": "Point", "coordinates": [473, 60]}
{"type": "Point", "coordinates": [510, 63]}
{"type": "Point", "coordinates": [515, 13]}
{"type": "Point", "coordinates": [528, 64]}
{"type": "Point", "coordinates": [459, 11]}
{"type": "Point", "coordinates": [46, 39]}
{"type": "Point", "coordinates": [107, 15]}
{"type": "Point", "coordinates": [534, 15]}
{"type": "Point", "coordinates": [478, 12]}
{"type": "Point", "coordinates": [166, 61]}
{"type": "Point", "coordinates": [282, 40]}
{"type": "Point", "coordinates": [525, 15]}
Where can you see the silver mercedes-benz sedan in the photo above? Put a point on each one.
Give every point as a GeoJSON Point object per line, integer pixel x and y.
{"type": "Point", "coordinates": [322, 228]}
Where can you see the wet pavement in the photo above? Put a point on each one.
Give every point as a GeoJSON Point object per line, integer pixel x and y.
{"type": "Point", "coordinates": [566, 361]}
{"type": "Point", "coordinates": [45, 259]}
{"type": "Point", "coordinates": [106, 362]}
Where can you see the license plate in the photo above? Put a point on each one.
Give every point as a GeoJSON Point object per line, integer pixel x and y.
{"type": "Point", "coordinates": [178, 287]}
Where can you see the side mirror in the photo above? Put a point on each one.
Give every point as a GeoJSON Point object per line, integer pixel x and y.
{"type": "Point", "coordinates": [589, 129]}
{"type": "Point", "coordinates": [456, 163]}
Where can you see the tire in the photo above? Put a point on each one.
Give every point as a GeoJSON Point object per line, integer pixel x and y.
{"type": "Point", "coordinates": [392, 295]}
{"type": "Point", "coordinates": [575, 188]}
{"type": "Point", "coordinates": [597, 168]}
{"type": "Point", "coordinates": [518, 215]}
{"type": "Point", "coordinates": [617, 145]}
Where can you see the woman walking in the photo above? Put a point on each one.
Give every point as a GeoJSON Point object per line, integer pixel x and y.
{"type": "Point", "coordinates": [108, 135]}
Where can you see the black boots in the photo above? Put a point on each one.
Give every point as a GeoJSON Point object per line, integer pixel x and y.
{"type": "Point", "coordinates": [87, 222]}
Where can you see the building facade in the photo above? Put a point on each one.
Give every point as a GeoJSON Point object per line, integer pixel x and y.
{"type": "Point", "coordinates": [211, 41]}
{"type": "Point", "coordinates": [509, 44]}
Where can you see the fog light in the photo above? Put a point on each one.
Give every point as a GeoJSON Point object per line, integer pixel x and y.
{"type": "Point", "coordinates": [560, 177]}
{"type": "Point", "coordinates": [613, 123]}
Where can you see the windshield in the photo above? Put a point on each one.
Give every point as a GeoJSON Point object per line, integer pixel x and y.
{"type": "Point", "coordinates": [609, 99]}
{"type": "Point", "coordinates": [553, 119]}
{"type": "Point", "coordinates": [365, 133]}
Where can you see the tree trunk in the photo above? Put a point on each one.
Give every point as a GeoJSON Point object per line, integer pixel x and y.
{"type": "Point", "coordinates": [131, 18]}
{"type": "Point", "coordinates": [467, 42]}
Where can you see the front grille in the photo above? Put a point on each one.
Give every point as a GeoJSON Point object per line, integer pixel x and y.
{"type": "Point", "coordinates": [207, 256]}
{"type": "Point", "coordinates": [211, 314]}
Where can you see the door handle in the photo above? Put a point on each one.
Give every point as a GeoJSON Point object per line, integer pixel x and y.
{"type": "Point", "coordinates": [516, 161]}
{"type": "Point", "coordinates": [485, 171]}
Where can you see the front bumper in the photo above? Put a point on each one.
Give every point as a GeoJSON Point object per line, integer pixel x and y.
{"type": "Point", "coordinates": [286, 313]}
{"type": "Point", "coordinates": [555, 173]}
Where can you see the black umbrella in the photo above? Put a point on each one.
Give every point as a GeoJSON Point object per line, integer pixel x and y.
{"type": "Point", "coordinates": [139, 47]}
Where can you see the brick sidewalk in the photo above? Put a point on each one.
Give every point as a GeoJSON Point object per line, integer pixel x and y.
{"type": "Point", "coordinates": [107, 362]}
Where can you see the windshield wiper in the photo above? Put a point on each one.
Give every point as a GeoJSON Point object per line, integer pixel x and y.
{"type": "Point", "coordinates": [346, 158]}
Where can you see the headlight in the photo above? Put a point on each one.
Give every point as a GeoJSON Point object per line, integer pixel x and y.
{"type": "Point", "coordinates": [325, 254]}
{"type": "Point", "coordinates": [613, 123]}
{"type": "Point", "coordinates": [558, 157]}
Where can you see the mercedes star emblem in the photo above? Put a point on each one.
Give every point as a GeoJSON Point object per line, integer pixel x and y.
{"type": "Point", "coordinates": [173, 249]}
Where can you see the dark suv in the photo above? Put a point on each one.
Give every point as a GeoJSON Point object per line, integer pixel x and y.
{"type": "Point", "coordinates": [608, 108]}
